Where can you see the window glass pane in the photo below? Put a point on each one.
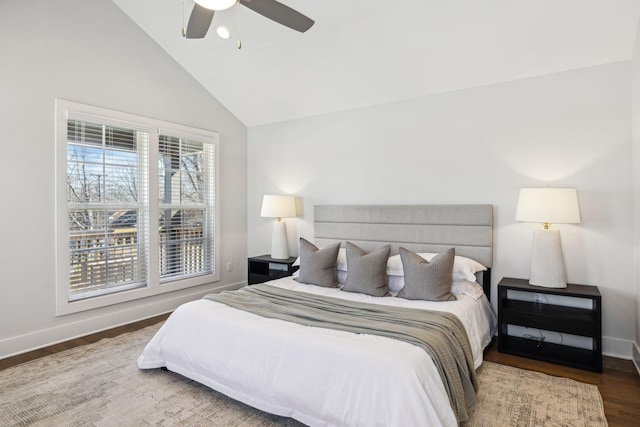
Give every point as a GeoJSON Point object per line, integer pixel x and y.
{"type": "Point", "coordinates": [181, 171]}
{"type": "Point", "coordinates": [103, 168]}
{"type": "Point", "coordinates": [84, 133]}
{"type": "Point", "coordinates": [83, 171]}
{"type": "Point", "coordinates": [183, 246]}
{"type": "Point", "coordinates": [192, 166]}
{"type": "Point", "coordinates": [81, 220]}
{"type": "Point", "coordinates": [121, 183]}
{"type": "Point", "coordinates": [104, 249]}
{"type": "Point", "coordinates": [186, 233]}
{"type": "Point", "coordinates": [77, 153]}
{"type": "Point", "coordinates": [111, 219]}
{"type": "Point", "coordinates": [120, 139]}
{"type": "Point", "coordinates": [193, 177]}
{"type": "Point", "coordinates": [169, 169]}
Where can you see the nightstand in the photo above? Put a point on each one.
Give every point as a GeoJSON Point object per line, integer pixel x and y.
{"type": "Point", "coordinates": [572, 315]}
{"type": "Point", "coordinates": [264, 268]}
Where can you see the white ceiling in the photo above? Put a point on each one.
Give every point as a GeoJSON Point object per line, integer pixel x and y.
{"type": "Point", "coordinates": [368, 52]}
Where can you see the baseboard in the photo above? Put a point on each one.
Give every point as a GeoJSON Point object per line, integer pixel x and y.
{"type": "Point", "coordinates": [636, 356]}
{"type": "Point", "coordinates": [19, 344]}
{"type": "Point", "coordinates": [616, 347]}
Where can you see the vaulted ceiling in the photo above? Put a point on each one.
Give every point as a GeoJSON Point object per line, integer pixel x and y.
{"type": "Point", "coordinates": [367, 52]}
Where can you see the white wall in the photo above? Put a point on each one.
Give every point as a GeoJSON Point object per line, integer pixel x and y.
{"type": "Point", "coordinates": [476, 146]}
{"type": "Point", "coordinates": [635, 106]}
{"type": "Point", "coordinates": [88, 51]}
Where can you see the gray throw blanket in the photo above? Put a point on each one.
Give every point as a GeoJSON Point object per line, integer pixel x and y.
{"type": "Point", "coordinates": [440, 334]}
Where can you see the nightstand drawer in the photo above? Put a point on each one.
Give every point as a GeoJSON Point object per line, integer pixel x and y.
{"type": "Point", "coordinates": [576, 321]}
{"type": "Point", "coordinates": [522, 306]}
{"type": "Point", "coordinates": [550, 352]}
{"type": "Point", "coordinates": [264, 268]}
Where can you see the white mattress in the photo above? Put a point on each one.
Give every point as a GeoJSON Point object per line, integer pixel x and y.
{"type": "Point", "coordinates": [320, 377]}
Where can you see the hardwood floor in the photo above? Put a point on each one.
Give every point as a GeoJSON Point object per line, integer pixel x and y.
{"type": "Point", "coordinates": [110, 333]}
{"type": "Point", "coordinates": [619, 384]}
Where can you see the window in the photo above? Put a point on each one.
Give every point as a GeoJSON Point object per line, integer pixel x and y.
{"type": "Point", "coordinates": [185, 202]}
{"type": "Point", "coordinates": [106, 216]}
{"type": "Point", "coordinates": [128, 226]}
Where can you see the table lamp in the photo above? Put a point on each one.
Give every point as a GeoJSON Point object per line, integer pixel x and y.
{"type": "Point", "coordinates": [279, 207]}
{"type": "Point", "coordinates": [547, 206]}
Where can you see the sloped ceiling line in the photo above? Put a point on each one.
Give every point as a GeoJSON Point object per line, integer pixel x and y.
{"type": "Point", "coordinates": [365, 52]}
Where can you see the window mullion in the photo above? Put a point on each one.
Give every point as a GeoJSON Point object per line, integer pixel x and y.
{"type": "Point", "coordinates": [108, 207]}
{"type": "Point", "coordinates": [152, 205]}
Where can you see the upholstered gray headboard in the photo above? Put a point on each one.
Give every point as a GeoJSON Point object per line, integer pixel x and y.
{"type": "Point", "coordinates": [420, 228]}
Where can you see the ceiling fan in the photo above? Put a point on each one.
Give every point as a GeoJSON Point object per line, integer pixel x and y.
{"type": "Point", "coordinates": [203, 11]}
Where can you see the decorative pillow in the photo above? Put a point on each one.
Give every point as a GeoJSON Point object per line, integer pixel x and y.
{"type": "Point", "coordinates": [342, 260]}
{"type": "Point", "coordinates": [424, 280]}
{"type": "Point", "coordinates": [463, 268]}
{"type": "Point", "coordinates": [318, 266]}
{"type": "Point", "coordinates": [458, 287]}
{"type": "Point", "coordinates": [367, 271]}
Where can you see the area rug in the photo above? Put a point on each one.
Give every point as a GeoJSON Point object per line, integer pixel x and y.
{"type": "Point", "coordinates": [100, 385]}
{"type": "Point", "coordinates": [516, 397]}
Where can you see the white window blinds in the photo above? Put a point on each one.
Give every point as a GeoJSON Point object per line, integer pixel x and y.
{"type": "Point", "coordinates": [136, 211]}
{"type": "Point", "coordinates": [107, 219]}
{"type": "Point", "coordinates": [186, 207]}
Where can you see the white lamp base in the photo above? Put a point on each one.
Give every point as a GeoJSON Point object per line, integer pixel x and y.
{"type": "Point", "coordinates": [547, 264]}
{"type": "Point", "coordinates": [279, 247]}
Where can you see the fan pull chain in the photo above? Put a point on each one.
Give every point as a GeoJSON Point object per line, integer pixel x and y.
{"type": "Point", "coordinates": [184, 29]}
{"type": "Point", "coordinates": [238, 26]}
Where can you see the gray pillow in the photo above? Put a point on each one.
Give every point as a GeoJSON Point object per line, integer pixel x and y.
{"type": "Point", "coordinates": [366, 272]}
{"type": "Point", "coordinates": [424, 280]}
{"type": "Point", "coordinates": [318, 266]}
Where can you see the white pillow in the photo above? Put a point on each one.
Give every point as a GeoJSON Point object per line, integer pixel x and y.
{"type": "Point", "coordinates": [395, 283]}
{"type": "Point", "coordinates": [342, 260]}
{"type": "Point", "coordinates": [463, 268]}
{"type": "Point", "coordinates": [342, 277]}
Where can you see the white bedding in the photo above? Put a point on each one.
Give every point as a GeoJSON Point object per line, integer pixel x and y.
{"type": "Point", "coordinates": [320, 377]}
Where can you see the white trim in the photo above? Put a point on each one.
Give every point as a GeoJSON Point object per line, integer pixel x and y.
{"type": "Point", "coordinates": [87, 113]}
{"type": "Point", "coordinates": [636, 356]}
{"type": "Point", "coordinates": [66, 109]}
{"type": "Point", "coordinates": [616, 347]}
{"type": "Point", "coordinates": [19, 344]}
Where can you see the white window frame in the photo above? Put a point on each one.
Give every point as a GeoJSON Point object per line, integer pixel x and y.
{"type": "Point", "coordinates": [65, 109]}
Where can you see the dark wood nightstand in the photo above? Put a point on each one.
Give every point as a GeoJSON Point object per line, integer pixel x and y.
{"type": "Point", "coordinates": [264, 268]}
{"type": "Point", "coordinates": [524, 305]}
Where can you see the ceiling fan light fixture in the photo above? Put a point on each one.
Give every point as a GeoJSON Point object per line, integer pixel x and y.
{"type": "Point", "coordinates": [223, 32]}
{"type": "Point", "coordinates": [204, 10]}
{"type": "Point", "coordinates": [216, 4]}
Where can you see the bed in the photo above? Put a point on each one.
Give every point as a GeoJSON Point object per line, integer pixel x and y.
{"type": "Point", "coordinates": [327, 376]}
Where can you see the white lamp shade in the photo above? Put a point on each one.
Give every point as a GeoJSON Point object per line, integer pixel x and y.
{"type": "Point", "coordinates": [548, 205]}
{"type": "Point", "coordinates": [278, 207]}
{"type": "Point", "coordinates": [216, 4]}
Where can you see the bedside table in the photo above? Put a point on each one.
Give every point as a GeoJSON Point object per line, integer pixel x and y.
{"type": "Point", "coordinates": [264, 268]}
{"type": "Point", "coordinates": [547, 309]}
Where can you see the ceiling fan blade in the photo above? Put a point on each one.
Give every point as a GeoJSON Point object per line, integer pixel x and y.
{"type": "Point", "coordinates": [280, 13]}
{"type": "Point", "coordinates": [199, 22]}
